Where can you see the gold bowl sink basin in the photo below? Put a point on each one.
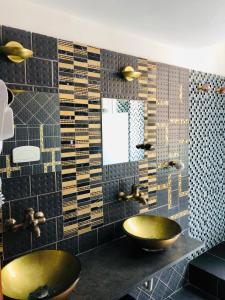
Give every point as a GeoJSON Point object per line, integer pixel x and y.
{"type": "Point", "coordinates": [58, 270]}
{"type": "Point", "coordinates": [152, 233]}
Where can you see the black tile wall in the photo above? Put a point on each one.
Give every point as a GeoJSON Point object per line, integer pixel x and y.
{"type": "Point", "coordinates": [39, 71]}
{"type": "Point", "coordinates": [36, 117]}
{"type": "Point", "coordinates": [44, 46]}
{"type": "Point", "coordinates": [112, 84]}
{"type": "Point", "coordinates": [39, 185]}
{"type": "Point", "coordinates": [14, 34]}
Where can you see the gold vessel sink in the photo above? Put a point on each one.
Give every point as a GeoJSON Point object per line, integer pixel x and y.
{"type": "Point", "coordinates": [52, 271]}
{"type": "Point", "coordinates": [152, 233]}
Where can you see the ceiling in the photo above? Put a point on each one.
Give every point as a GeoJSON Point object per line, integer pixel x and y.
{"type": "Point", "coordinates": [183, 23]}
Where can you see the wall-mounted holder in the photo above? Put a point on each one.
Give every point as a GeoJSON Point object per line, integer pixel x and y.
{"type": "Point", "coordinates": [16, 52]}
{"type": "Point", "coordinates": [221, 90]}
{"type": "Point", "coordinates": [204, 88]}
{"type": "Point", "coordinates": [129, 74]}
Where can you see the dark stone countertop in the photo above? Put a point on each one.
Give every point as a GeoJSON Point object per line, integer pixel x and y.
{"type": "Point", "coordinates": [110, 271]}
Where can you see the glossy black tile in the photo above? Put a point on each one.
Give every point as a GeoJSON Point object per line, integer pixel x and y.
{"type": "Point", "coordinates": [16, 188]}
{"type": "Point", "coordinates": [218, 250]}
{"type": "Point", "coordinates": [203, 280]}
{"type": "Point", "coordinates": [39, 72]}
{"type": "Point", "coordinates": [44, 46]}
{"type": "Point", "coordinates": [11, 72]}
{"type": "Point", "coordinates": [42, 183]}
{"type": "Point", "coordinates": [14, 34]}
{"type": "Point", "coordinates": [51, 204]}
{"type": "Point", "coordinates": [210, 264]}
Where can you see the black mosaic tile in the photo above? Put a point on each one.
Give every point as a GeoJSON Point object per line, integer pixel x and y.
{"type": "Point", "coordinates": [34, 133]}
{"type": "Point", "coordinates": [39, 72]}
{"type": "Point", "coordinates": [42, 183]}
{"type": "Point", "coordinates": [44, 46]}
{"type": "Point", "coordinates": [88, 241]}
{"type": "Point", "coordinates": [51, 204]}
{"type": "Point", "coordinates": [16, 188]}
{"type": "Point", "coordinates": [21, 133]}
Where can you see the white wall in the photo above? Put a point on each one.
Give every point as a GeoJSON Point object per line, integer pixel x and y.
{"type": "Point", "coordinates": [28, 16]}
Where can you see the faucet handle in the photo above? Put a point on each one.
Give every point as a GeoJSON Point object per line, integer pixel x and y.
{"type": "Point", "coordinates": [39, 214]}
{"type": "Point", "coordinates": [29, 211]}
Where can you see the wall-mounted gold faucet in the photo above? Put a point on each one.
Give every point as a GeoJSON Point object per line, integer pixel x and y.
{"type": "Point", "coordinates": [129, 74]}
{"type": "Point", "coordinates": [16, 52]}
{"type": "Point", "coordinates": [135, 195]}
{"type": "Point", "coordinates": [32, 220]}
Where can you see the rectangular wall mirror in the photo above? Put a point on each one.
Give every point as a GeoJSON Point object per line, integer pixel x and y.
{"type": "Point", "coordinates": [122, 130]}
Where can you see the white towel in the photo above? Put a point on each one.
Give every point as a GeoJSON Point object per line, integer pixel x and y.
{"type": "Point", "coordinates": [6, 115]}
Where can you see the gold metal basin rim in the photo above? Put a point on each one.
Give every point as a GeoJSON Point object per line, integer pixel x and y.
{"type": "Point", "coordinates": [57, 269]}
{"type": "Point", "coordinates": [152, 232]}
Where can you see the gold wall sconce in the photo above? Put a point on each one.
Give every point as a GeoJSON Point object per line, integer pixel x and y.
{"type": "Point", "coordinates": [16, 52]}
{"type": "Point", "coordinates": [221, 90]}
{"type": "Point", "coordinates": [129, 74]}
{"type": "Point", "coordinates": [204, 88]}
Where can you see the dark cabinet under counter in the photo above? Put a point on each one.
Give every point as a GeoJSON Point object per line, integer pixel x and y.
{"type": "Point", "coordinates": [110, 271]}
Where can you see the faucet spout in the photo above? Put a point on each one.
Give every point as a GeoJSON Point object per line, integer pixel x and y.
{"type": "Point", "coordinates": [136, 195]}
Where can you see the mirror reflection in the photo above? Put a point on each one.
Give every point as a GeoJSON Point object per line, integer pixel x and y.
{"type": "Point", "coordinates": [122, 130]}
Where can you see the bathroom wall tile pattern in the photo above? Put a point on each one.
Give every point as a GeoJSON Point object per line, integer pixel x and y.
{"type": "Point", "coordinates": [147, 167]}
{"type": "Point", "coordinates": [79, 90]}
{"type": "Point", "coordinates": [172, 123]}
{"type": "Point", "coordinates": [36, 124]}
{"type": "Point", "coordinates": [36, 118]}
{"type": "Point", "coordinates": [207, 122]}
{"type": "Point", "coordinates": [36, 74]}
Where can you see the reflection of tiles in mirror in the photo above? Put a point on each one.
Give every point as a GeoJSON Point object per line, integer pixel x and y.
{"type": "Point", "coordinates": [123, 127]}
